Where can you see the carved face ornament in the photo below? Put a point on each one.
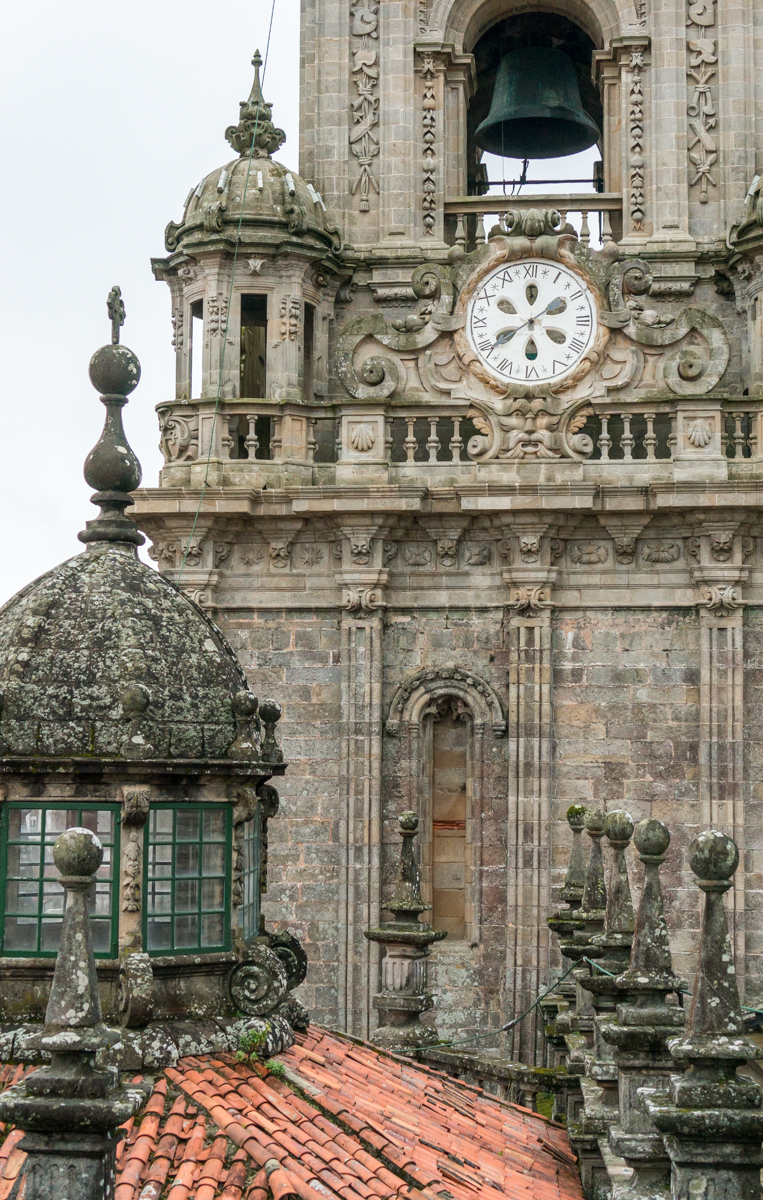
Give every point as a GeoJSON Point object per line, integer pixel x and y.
{"type": "Point", "coordinates": [531, 322]}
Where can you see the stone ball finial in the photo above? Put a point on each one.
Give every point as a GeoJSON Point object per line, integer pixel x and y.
{"type": "Point", "coordinates": [651, 838]}
{"type": "Point", "coordinates": [408, 822]}
{"type": "Point", "coordinates": [619, 827]}
{"type": "Point", "coordinates": [135, 699]}
{"type": "Point", "coordinates": [595, 821]}
{"type": "Point", "coordinates": [78, 853]}
{"type": "Point", "coordinates": [114, 371]}
{"type": "Point", "coordinates": [713, 855]}
{"type": "Point", "coordinates": [576, 816]}
{"type": "Point", "coordinates": [245, 704]}
{"type": "Point", "coordinates": [270, 711]}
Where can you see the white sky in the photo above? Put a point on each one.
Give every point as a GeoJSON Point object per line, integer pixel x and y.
{"type": "Point", "coordinates": [111, 113]}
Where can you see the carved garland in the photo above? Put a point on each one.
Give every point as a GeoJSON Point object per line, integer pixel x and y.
{"type": "Point", "coordinates": [429, 684]}
{"type": "Point", "coordinates": [423, 15]}
{"type": "Point", "coordinates": [429, 104]}
{"type": "Point", "coordinates": [364, 144]}
{"type": "Point", "coordinates": [702, 66]}
{"type": "Point", "coordinates": [636, 125]}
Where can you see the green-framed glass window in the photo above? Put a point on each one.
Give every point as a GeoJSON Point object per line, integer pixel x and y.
{"type": "Point", "coordinates": [250, 881]}
{"type": "Point", "coordinates": [187, 878]}
{"type": "Point", "coordinates": [32, 897]}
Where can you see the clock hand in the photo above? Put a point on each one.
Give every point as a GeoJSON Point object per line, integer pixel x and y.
{"type": "Point", "coordinates": [508, 334]}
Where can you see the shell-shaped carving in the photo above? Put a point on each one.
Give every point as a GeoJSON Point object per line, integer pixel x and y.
{"type": "Point", "coordinates": [363, 437]}
{"type": "Point", "coordinates": [700, 434]}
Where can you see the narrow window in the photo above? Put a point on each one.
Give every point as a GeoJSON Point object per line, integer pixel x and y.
{"type": "Point", "coordinates": [33, 899]}
{"type": "Point", "coordinates": [188, 879]}
{"type": "Point", "coordinates": [254, 329]}
{"type": "Point", "coordinates": [197, 347]}
{"type": "Point", "coordinates": [449, 774]}
{"type": "Point", "coordinates": [308, 381]}
{"type": "Point", "coordinates": [250, 882]}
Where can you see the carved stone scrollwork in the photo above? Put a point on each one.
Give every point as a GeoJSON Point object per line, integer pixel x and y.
{"type": "Point", "coordinates": [722, 601]}
{"type": "Point", "coordinates": [529, 601]}
{"type": "Point", "coordinates": [364, 117]}
{"type": "Point", "coordinates": [136, 986]}
{"type": "Point", "coordinates": [179, 436]}
{"type": "Point", "coordinates": [292, 954]}
{"type": "Point", "coordinates": [363, 600]}
{"type": "Point", "coordinates": [702, 66]}
{"type": "Point", "coordinates": [257, 986]}
{"type": "Point", "coordinates": [136, 799]}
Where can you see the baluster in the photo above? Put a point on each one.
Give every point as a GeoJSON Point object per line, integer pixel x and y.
{"type": "Point", "coordinates": [410, 441]}
{"type": "Point", "coordinates": [605, 441]}
{"type": "Point", "coordinates": [673, 439]}
{"type": "Point", "coordinates": [276, 438]}
{"type": "Point", "coordinates": [252, 442]}
{"type": "Point", "coordinates": [433, 442]}
{"type": "Point", "coordinates": [311, 442]}
{"type": "Point", "coordinates": [456, 442]}
{"type": "Point", "coordinates": [650, 439]}
{"type": "Point", "coordinates": [738, 435]}
{"type": "Point", "coordinates": [226, 441]}
{"type": "Point", "coordinates": [626, 440]}
{"type": "Point", "coordinates": [606, 229]}
{"type": "Point", "coordinates": [338, 439]}
{"type": "Point", "coordinates": [460, 231]}
{"type": "Point", "coordinates": [388, 438]}
{"type": "Point", "coordinates": [563, 215]}
{"type": "Point", "coordinates": [752, 438]}
{"type": "Point", "coordinates": [585, 233]}
{"type": "Point", "coordinates": [481, 239]}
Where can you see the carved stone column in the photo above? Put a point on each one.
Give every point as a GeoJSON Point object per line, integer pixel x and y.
{"type": "Point", "coordinates": [528, 639]}
{"type": "Point", "coordinates": [362, 581]}
{"type": "Point", "coordinates": [718, 551]}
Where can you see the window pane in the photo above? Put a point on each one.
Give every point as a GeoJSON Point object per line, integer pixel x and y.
{"type": "Point", "coordinates": [186, 931]}
{"type": "Point", "coordinates": [187, 859]}
{"type": "Point", "coordinates": [25, 823]}
{"type": "Point", "coordinates": [159, 933]}
{"type": "Point", "coordinates": [21, 898]}
{"type": "Point", "coordinates": [187, 827]}
{"type": "Point", "coordinates": [24, 862]}
{"type": "Point", "coordinates": [101, 931]}
{"type": "Point", "coordinates": [20, 934]}
{"type": "Point", "coordinates": [52, 898]}
{"type": "Point", "coordinates": [212, 930]}
{"type": "Point", "coordinates": [159, 897]}
{"type": "Point", "coordinates": [212, 894]}
{"type": "Point", "coordinates": [161, 824]}
{"type": "Point", "coordinates": [186, 895]}
{"type": "Point", "coordinates": [214, 860]}
{"type": "Point", "coordinates": [50, 934]}
{"type": "Point", "coordinates": [214, 826]}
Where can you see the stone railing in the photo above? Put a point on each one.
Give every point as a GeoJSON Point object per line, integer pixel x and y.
{"type": "Point", "coordinates": [468, 214]}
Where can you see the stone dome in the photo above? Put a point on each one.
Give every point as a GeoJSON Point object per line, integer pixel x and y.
{"type": "Point", "coordinates": [102, 657]}
{"type": "Point", "coordinates": [274, 199]}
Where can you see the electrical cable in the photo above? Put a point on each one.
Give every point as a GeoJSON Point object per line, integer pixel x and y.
{"type": "Point", "coordinates": [205, 482]}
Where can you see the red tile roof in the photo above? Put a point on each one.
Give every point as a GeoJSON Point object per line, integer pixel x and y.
{"type": "Point", "coordinates": [347, 1121]}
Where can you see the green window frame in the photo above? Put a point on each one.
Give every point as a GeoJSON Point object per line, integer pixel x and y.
{"type": "Point", "coordinates": [249, 913]}
{"type": "Point", "coordinates": [31, 897]}
{"type": "Point", "coordinates": [187, 879]}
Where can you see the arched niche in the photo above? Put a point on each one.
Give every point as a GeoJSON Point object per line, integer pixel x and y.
{"type": "Point", "coordinates": [464, 22]}
{"type": "Point", "coordinates": [443, 720]}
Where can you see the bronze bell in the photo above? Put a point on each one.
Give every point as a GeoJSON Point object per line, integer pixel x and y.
{"type": "Point", "coordinates": [536, 111]}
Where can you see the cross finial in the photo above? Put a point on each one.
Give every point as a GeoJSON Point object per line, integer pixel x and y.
{"type": "Point", "coordinates": [116, 310]}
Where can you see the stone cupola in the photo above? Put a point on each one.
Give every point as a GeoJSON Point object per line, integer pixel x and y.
{"type": "Point", "coordinates": [125, 712]}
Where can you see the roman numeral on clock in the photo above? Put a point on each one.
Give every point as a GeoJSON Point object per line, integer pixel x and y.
{"type": "Point", "coordinates": [583, 319]}
{"type": "Point", "coordinates": [576, 345]}
{"type": "Point", "coordinates": [531, 271]}
{"type": "Point", "coordinates": [479, 322]}
{"type": "Point", "coordinates": [485, 346]}
{"type": "Point", "coordinates": [503, 364]}
{"type": "Point", "coordinates": [531, 373]}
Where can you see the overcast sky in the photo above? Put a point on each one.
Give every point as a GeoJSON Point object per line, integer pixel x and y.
{"type": "Point", "coordinates": [111, 113]}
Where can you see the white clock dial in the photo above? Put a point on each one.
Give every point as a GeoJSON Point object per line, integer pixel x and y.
{"type": "Point", "coordinates": [531, 321]}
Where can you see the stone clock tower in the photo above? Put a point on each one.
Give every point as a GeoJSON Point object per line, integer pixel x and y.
{"type": "Point", "coordinates": [478, 477]}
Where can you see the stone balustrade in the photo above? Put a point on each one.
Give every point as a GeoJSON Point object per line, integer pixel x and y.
{"type": "Point", "coordinates": [474, 216]}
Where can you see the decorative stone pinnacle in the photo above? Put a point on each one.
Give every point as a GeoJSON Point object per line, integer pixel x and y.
{"type": "Point", "coordinates": [255, 133]}
{"type": "Point", "coordinates": [651, 965]}
{"type": "Point", "coordinates": [71, 1109]}
{"type": "Point", "coordinates": [619, 918]}
{"type": "Point", "coordinates": [714, 858]}
{"type": "Point", "coordinates": [111, 467]}
{"type": "Point", "coordinates": [574, 881]}
{"type": "Point", "coordinates": [270, 714]}
{"type": "Point", "coordinates": [595, 891]}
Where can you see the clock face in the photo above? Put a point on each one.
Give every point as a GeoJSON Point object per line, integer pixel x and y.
{"type": "Point", "coordinates": [531, 321]}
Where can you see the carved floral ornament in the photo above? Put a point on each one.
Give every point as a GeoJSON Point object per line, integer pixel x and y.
{"type": "Point", "coordinates": [428, 355]}
{"type": "Point", "coordinates": [414, 698]}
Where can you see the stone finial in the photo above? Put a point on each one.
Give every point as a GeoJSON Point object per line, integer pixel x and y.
{"type": "Point", "coordinates": [711, 1120]}
{"type": "Point", "coordinates": [116, 310]}
{"type": "Point", "coordinates": [619, 915]}
{"type": "Point", "coordinates": [651, 966]}
{"type": "Point", "coordinates": [574, 881]}
{"type": "Point", "coordinates": [111, 467]}
{"type": "Point", "coordinates": [714, 858]}
{"type": "Point", "coordinates": [246, 743]}
{"type": "Point", "coordinates": [594, 890]}
{"type": "Point", "coordinates": [255, 133]}
{"type": "Point", "coordinates": [71, 1110]}
{"type": "Point", "coordinates": [270, 715]}
{"type": "Point", "coordinates": [404, 996]}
